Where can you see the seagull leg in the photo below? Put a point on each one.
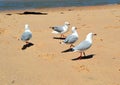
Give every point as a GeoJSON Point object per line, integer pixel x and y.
{"type": "Point", "coordinates": [84, 53]}
{"type": "Point", "coordinates": [62, 35]}
{"type": "Point", "coordinates": [71, 45]}
{"type": "Point", "coordinates": [27, 42]}
{"type": "Point", "coordinates": [80, 57]}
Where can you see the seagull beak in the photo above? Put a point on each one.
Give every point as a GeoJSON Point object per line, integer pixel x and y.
{"type": "Point", "coordinates": [95, 34]}
{"type": "Point", "coordinates": [68, 23]}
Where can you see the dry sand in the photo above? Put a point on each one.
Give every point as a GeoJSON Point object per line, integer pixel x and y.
{"type": "Point", "coordinates": [44, 64]}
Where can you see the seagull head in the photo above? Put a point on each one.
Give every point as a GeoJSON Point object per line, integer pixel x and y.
{"type": "Point", "coordinates": [89, 36]}
{"type": "Point", "coordinates": [67, 23]}
{"type": "Point", "coordinates": [27, 27]}
{"type": "Point", "coordinates": [74, 29]}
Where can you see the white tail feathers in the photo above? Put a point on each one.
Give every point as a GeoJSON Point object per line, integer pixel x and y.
{"type": "Point", "coordinates": [55, 32]}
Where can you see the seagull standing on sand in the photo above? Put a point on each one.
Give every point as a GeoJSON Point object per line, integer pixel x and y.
{"type": "Point", "coordinates": [83, 46]}
{"type": "Point", "coordinates": [61, 29]}
{"type": "Point", "coordinates": [27, 35]}
{"type": "Point", "coordinates": [70, 39]}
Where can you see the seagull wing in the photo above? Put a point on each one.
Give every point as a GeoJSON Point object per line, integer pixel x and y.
{"type": "Point", "coordinates": [26, 36]}
{"type": "Point", "coordinates": [58, 29]}
{"type": "Point", "coordinates": [71, 39]}
{"type": "Point", "coordinates": [84, 45]}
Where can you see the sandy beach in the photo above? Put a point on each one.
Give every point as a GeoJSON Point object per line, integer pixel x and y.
{"type": "Point", "coordinates": [44, 64]}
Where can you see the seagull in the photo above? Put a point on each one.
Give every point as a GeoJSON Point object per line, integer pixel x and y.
{"type": "Point", "coordinates": [83, 46]}
{"type": "Point", "coordinates": [27, 35]}
{"type": "Point", "coordinates": [61, 29]}
{"type": "Point", "coordinates": [70, 39]}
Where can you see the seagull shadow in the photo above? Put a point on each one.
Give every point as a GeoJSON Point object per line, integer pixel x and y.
{"type": "Point", "coordinates": [84, 57]}
{"type": "Point", "coordinates": [60, 38]}
{"type": "Point", "coordinates": [27, 45]}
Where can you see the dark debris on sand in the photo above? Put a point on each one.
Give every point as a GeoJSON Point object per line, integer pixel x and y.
{"type": "Point", "coordinates": [32, 13]}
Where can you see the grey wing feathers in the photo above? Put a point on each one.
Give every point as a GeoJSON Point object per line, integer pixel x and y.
{"type": "Point", "coordinates": [84, 45]}
{"type": "Point", "coordinates": [71, 39]}
{"type": "Point", "coordinates": [26, 36]}
{"type": "Point", "coordinates": [58, 29]}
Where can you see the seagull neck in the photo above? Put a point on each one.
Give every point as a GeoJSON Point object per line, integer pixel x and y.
{"type": "Point", "coordinates": [27, 30]}
{"type": "Point", "coordinates": [89, 38]}
{"type": "Point", "coordinates": [75, 33]}
{"type": "Point", "coordinates": [65, 25]}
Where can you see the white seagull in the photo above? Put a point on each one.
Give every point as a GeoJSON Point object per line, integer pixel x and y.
{"type": "Point", "coordinates": [27, 35]}
{"type": "Point", "coordinates": [72, 38]}
{"type": "Point", "coordinates": [83, 46]}
{"type": "Point", "coordinates": [61, 29]}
